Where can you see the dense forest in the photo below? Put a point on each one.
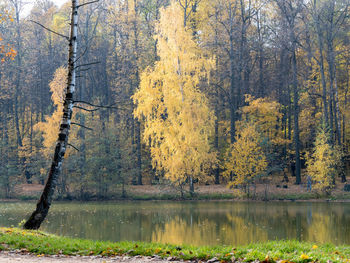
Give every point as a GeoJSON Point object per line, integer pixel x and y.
{"type": "Point", "coordinates": [179, 92]}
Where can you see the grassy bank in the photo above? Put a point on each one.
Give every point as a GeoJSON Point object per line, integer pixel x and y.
{"type": "Point", "coordinates": [40, 243]}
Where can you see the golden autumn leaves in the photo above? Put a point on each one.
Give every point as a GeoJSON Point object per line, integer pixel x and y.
{"type": "Point", "coordinates": [257, 136]}
{"type": "Point", "coordinates": [323, 162]}
{"type": "Point", "coordinates": [246, 158]}
{"type": "Point", "coordinates": [177, 118]}
{"type": "Point", "coordinates": [178, 121]}
{"type": "Point", "coordinates": [49, 128]}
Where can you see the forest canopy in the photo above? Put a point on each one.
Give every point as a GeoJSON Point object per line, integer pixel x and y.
{"type": "Point", "coordinates": [193, 91]}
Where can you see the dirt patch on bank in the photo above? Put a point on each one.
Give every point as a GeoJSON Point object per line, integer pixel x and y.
{"type": "Point", "coordinates": [271, 188]}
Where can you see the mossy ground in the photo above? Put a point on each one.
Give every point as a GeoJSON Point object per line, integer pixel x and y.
{"type": "Point", "coordinates": [42, 243]}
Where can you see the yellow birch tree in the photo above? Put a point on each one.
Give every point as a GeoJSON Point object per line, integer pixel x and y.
{"type": "Point", "coordinates": [246, 158]}
{"type": "Point", "coordinates": [49, 128]}
{"type": "Point", "coordinates": [323, 163]}
{"type": "Point", "coordinates": [178, 122]}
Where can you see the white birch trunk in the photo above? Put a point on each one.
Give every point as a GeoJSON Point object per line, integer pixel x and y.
{"type": "Point", "coordinates": [45, 200]}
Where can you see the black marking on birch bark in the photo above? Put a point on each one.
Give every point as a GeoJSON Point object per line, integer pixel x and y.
{"type": "Point", "coordinates": [57, 150]}
{"type": "Point", "coordinates": [62, 136]}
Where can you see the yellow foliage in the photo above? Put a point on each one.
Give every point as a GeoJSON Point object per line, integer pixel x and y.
{"type": "Point", "coordinates": [50, 127]}
{"type": "Point", "coordinates": [177, 118]}
{"type": "Point", "coordinates": [323, 162]}
{"type": "Point", "coordinates": [246, 159]}
{"type": "Point", "coordinates": [266, 114]}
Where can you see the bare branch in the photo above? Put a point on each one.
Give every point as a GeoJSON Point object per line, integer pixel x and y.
{"type": "Point", "coordinates": [48, 29]}
{"type": "Point", "coordinates": [87, 3]}
{"type": "Point", "coordinates": [81, 108]}
{"type": "Point", "coordinates": [73, 147]}
{"type": "Point", "coordinates": [81, 125]}
{"type": "Point", "coordinates": [96, 106]}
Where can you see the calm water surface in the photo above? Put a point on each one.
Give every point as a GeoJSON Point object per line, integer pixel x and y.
{"type": "Point", "coordinates": [197, 223]}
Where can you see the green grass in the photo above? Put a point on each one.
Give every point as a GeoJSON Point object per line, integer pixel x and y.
{"type": "Point", "coordinates": [40, 243]}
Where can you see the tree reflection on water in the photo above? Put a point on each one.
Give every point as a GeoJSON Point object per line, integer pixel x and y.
{"type": "Point", "coordinates": [196, 223]}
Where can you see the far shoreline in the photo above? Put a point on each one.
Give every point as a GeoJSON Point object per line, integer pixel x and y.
{"type": "Point", "coordinates": [261, 192]}
{"type": "Point", "coordinates": [320, 200]}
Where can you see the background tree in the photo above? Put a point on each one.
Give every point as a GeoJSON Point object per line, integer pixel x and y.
{"type": "Point", "coordinates": [246, 158]}
{"type": "Point", "coordinates": [177, 118]}
{"type": "Point", "coordinates": [323, 164]}
{"type": "Point", "coordinates": [249, 46]}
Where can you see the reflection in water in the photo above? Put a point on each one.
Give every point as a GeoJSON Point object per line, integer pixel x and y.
{"type": "Point", "coordinates": [197, 223]}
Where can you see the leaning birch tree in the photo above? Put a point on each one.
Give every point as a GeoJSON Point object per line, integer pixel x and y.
{"type": "Point", "coordinates": [44, 203]}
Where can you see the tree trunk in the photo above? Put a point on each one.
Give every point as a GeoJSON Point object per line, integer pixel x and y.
{"type": "Point", "coordinates": [217, 102]}
{"type": "Point", "coordinates": [232, 94]}
{"type": "Point", "coordinates": [138, 151]}
{"type": "Point", "coordinates": [331, 115]}
{"type": "Point", "coordinates": [296, 118]}
{"type": "Point", "coordinates": [216, 145]}
{"type": "Point", "coordinates": [323, 77]}
{"type": "Point", "coordinates": [191, 185]}
{"type": "Point", "coordinates": [45, 200]}
{"type": "Point", "coordinates": [261, 87]}
{"type": "Point", "coordinates": [18, 73]}
{"type": "Point", "coordinates": [290, 12]}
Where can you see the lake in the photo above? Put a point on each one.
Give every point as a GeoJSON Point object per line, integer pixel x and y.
{"type": "Point", "coordinates": [197, 222]}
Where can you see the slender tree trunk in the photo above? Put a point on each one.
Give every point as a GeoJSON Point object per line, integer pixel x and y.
{"type": "Point", "coordinates": [44, 203]}
{"type": "Point", "coordinates": [296, 117]}
{"type": "Point", "coordinates": [216, 145]}
{"type": "Point", "coordinates": [18, 72]}
{"type": "Point", "coordinates": [289, 12]}
{"type": "Point", "coordinates": [191, 185]}
{"type": "Point", "coordinates": [289, 114]}
{"type": "Point", "coordinates": [337, 113]}
{"type": "Point", "coordinates": [345, 106]}
{"type": "Point", "coordinates": [321, 64]}
{"type": "Point", "coordinates": [232, 94]}
{"type": "Point", "coordinates": [331, 116]}
{"type": "Point", "coordinates": [4, 155]}
{"type": "Point", "coordinates": [138, 151]}
{"type": "Point", "coordinates": [216, 101]}
{"type": "Point", "coordinates": [137, 76]}
{"type": "Point", "coordinates": [323, 80]}
{"type": "Point", "coordinates": [17, 94]}
{"type": "Point", "coordinates": [343, 177]}
{"type": "Point", "coordinates": [261, 92]}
